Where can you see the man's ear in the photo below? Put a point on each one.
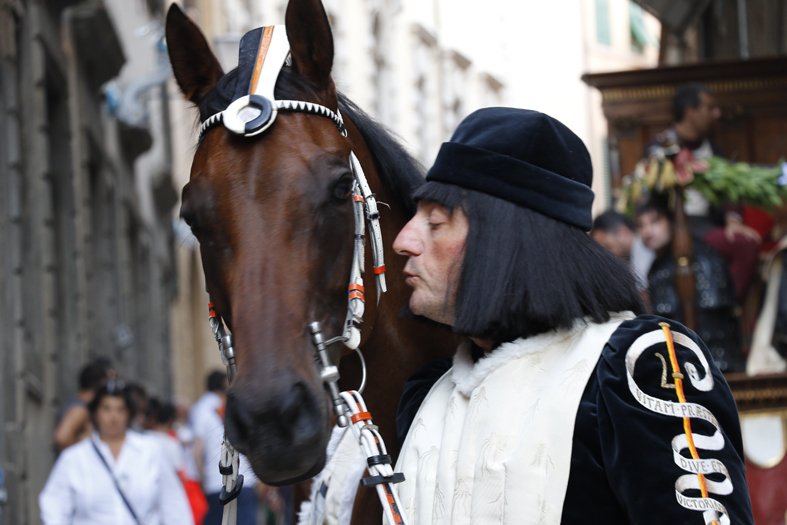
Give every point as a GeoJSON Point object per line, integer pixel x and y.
{"type": "Point", "coordinates": [195, 66]}
{"type": "Point", "coordinates": [311, 41]}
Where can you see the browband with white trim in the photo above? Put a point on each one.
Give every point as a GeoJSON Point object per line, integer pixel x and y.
{"type": "Point", "coordinates": [284, 105]}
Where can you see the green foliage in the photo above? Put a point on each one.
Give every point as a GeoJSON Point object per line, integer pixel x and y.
{"type": "Point", "coordinates": [741, 182]}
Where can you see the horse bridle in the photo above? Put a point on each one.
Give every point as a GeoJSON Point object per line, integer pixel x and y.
{"type": "Point", "coordinates": [250, 115]}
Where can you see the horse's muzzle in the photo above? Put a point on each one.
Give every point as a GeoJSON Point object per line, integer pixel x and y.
{"type": "Point", "coordinates": [283, 435]}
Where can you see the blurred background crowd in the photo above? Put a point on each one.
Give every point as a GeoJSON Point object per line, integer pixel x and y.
{"type": "Point", "coordinates": [681, 103]}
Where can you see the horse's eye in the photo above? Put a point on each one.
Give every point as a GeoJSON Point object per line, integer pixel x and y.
{"type": "Point", "coordinates": [187, 216]}
{"type": "Point", "coordinates": [343, 188]}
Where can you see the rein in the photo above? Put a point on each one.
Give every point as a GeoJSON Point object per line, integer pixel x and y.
{"type": "Point", "coordinates": [250, 115]}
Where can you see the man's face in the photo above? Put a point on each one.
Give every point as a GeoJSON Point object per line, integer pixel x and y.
{"type": "Point", "coordinates": [618, 242]}
{"type": "Point", "coordinates": [654, 229]}
{"type": "Point", "coordinates": [704, 117]}
{"type": "Point", "coordinates": [434, 241]}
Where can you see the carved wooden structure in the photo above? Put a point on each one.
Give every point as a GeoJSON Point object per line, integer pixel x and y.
{"type": "Point", "coordinates": [753, 128]}
{"type": "Point", "coordinates": [752, 95]}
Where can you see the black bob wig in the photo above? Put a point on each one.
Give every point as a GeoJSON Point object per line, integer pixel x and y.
{"type": "Point", "coordinates": [524, 273]}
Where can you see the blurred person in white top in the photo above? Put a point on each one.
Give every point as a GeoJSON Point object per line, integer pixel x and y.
{"type": "Point", "coordinates": [84, 487]}
{"type": "Point", "coordinates": [207, 421]}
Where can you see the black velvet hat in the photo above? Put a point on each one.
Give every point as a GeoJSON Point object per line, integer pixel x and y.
{"type": "Point", "coordinates": [522, 156]}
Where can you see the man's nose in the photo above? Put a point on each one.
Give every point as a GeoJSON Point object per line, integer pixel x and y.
{"type": "Point", "coordinates": [407, 243]}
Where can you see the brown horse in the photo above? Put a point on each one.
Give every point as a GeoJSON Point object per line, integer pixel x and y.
{"type": "Point", "coordinates": [274, 218]}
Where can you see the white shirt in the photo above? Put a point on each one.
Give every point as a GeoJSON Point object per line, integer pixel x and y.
{"type": "Point", "coordinates": [208, 426]}
{"type": "Point", "coordinates": [186, 437]}
{"type": "Point", "coordinates": [80, 490]}
{"type": "Point", "coordinates": [172, 448]}
{"type": "Point", "coordinates": [641, 260]}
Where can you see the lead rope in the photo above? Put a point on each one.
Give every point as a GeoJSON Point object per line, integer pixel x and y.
{"type": "Point", "coordinates": [378, 461]}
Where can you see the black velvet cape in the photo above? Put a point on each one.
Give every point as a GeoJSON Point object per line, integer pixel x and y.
{"type": "Point", "coordinates": [622, 465]}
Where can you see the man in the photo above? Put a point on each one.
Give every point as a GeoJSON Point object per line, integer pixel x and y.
{"type": "Point", "coordinates": [74, 423]}
{"type": "Point", "coordinates": [717, 323]}
{"type": "Point", "coordinates": [207, 421]}
{"type": "Point", "coordinates": [614, 231]}
{"type": "Point", "coordinates": [562, 406]}
{"type": "Point", "coordinates": [696, 113]}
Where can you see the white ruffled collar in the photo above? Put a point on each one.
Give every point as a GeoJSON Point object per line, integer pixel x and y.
{"type": "Point", "coordinates": [468, 374]}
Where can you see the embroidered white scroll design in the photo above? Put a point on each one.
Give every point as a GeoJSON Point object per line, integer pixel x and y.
{"type": "Point", "coordinates": [698, 469]}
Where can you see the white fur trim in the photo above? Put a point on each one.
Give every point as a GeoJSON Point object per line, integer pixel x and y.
{"type": "Point", "coordinates": [467, 375]}
{"type": "Point", "coordinates": [305, 513]}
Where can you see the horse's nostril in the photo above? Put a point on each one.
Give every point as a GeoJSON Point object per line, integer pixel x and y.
{"type": "Point", "coordinates": [293, 404]}
{"type": "Point", "coordinates": [239, 420]}
{"type": "Point", "coordinates": [294, 415]}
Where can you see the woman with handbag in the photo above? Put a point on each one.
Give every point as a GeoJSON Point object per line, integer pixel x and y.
{"type": "Point", "coordinates": [116, 477]}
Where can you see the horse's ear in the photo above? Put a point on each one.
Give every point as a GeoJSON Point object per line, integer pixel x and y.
{"type": "Point", "coordinates": [311, 41]}
{"type": "Point", "coordinates": [195, 66]}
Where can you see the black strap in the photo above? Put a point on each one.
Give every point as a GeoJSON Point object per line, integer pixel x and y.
{"type": "Point", "coordinates": [225, 496]}
{"type": "Point", "coordinates": [225, 471]}
{"type": "Point", "coordinates": [381, 459]}
{"type": "Point", "coordinates": [115, 481]}
{"type": "Point", "coordinates": [371, 481]}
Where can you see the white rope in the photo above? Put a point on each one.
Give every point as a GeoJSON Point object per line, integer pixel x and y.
{"type": "Point", "coordinates": [230, 458]}
{"type": "Point", "coordinates": [378, 460]}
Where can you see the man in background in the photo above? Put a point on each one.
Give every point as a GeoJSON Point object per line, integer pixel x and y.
{"type": "Point", "coordinates": [696, 113]}
{"type": "Point", "coordinates": [207, 421]}
{"type": "Point", "coordinates": [74, 424]}
{"type": "Point", "coordinates": [717, 323]}
{"type": "Point", "coordinates": [614, 231]}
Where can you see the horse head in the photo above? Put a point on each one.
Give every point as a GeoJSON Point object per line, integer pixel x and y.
{"type": "Point", "coordinates": [274, 218]}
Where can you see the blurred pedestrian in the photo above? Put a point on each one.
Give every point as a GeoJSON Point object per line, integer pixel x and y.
{"type": "Point", "coordinates": [717, 323]}
{"type": "Point", "coordinates": [73, 424]}
{"type": "Point", "coordinates": [116, 477]}
{"type": "Point", "coordinates": [160, 422]}
{"type": "Point", "coordinates": [139, 404]}
{"type": "Point", "coordinates": [695, 112]}
{"type": "Point", "coordinates": [615, 232]}
{"type": "Point", "coordinates": [207, 421]}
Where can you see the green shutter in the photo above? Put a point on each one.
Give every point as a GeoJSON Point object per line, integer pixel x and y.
{"type": "Point", "coordinates": [640, 37]}
{"type": "Point", "coordinates": [603, 34]}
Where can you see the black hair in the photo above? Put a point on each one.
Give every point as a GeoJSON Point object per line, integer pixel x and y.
{"type": "Point", "coordinates": [160, 412]}
{"type": "Point", "coordinates": [610, 221]}
{"type": "Point", "coordinates": [94, 374]}
{"type": "Point", "coordinates": [138, 396]}
{"type": "Point", "coordinates": [399, 172]}
{"type": "Point", "coordinates": [217, 381]}
{"type": "Point", "coordinates": [656, 202]}
{"type": "Point", "coordinates": [524, 273]}
{"type": "Point", "coordinates": [113, 389]}
{"type": "Point", "coordinates": [687, 95]}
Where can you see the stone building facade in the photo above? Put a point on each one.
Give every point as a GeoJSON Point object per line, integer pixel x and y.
{"type": "Point", "coordinates": [86, 262]}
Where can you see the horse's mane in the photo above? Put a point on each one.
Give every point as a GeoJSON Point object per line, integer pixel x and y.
{"type": "Point", "coordinates": [399, 172]}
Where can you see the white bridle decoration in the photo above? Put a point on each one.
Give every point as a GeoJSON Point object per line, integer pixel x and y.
{"type": "Point", "coordinates": [250, 115]}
